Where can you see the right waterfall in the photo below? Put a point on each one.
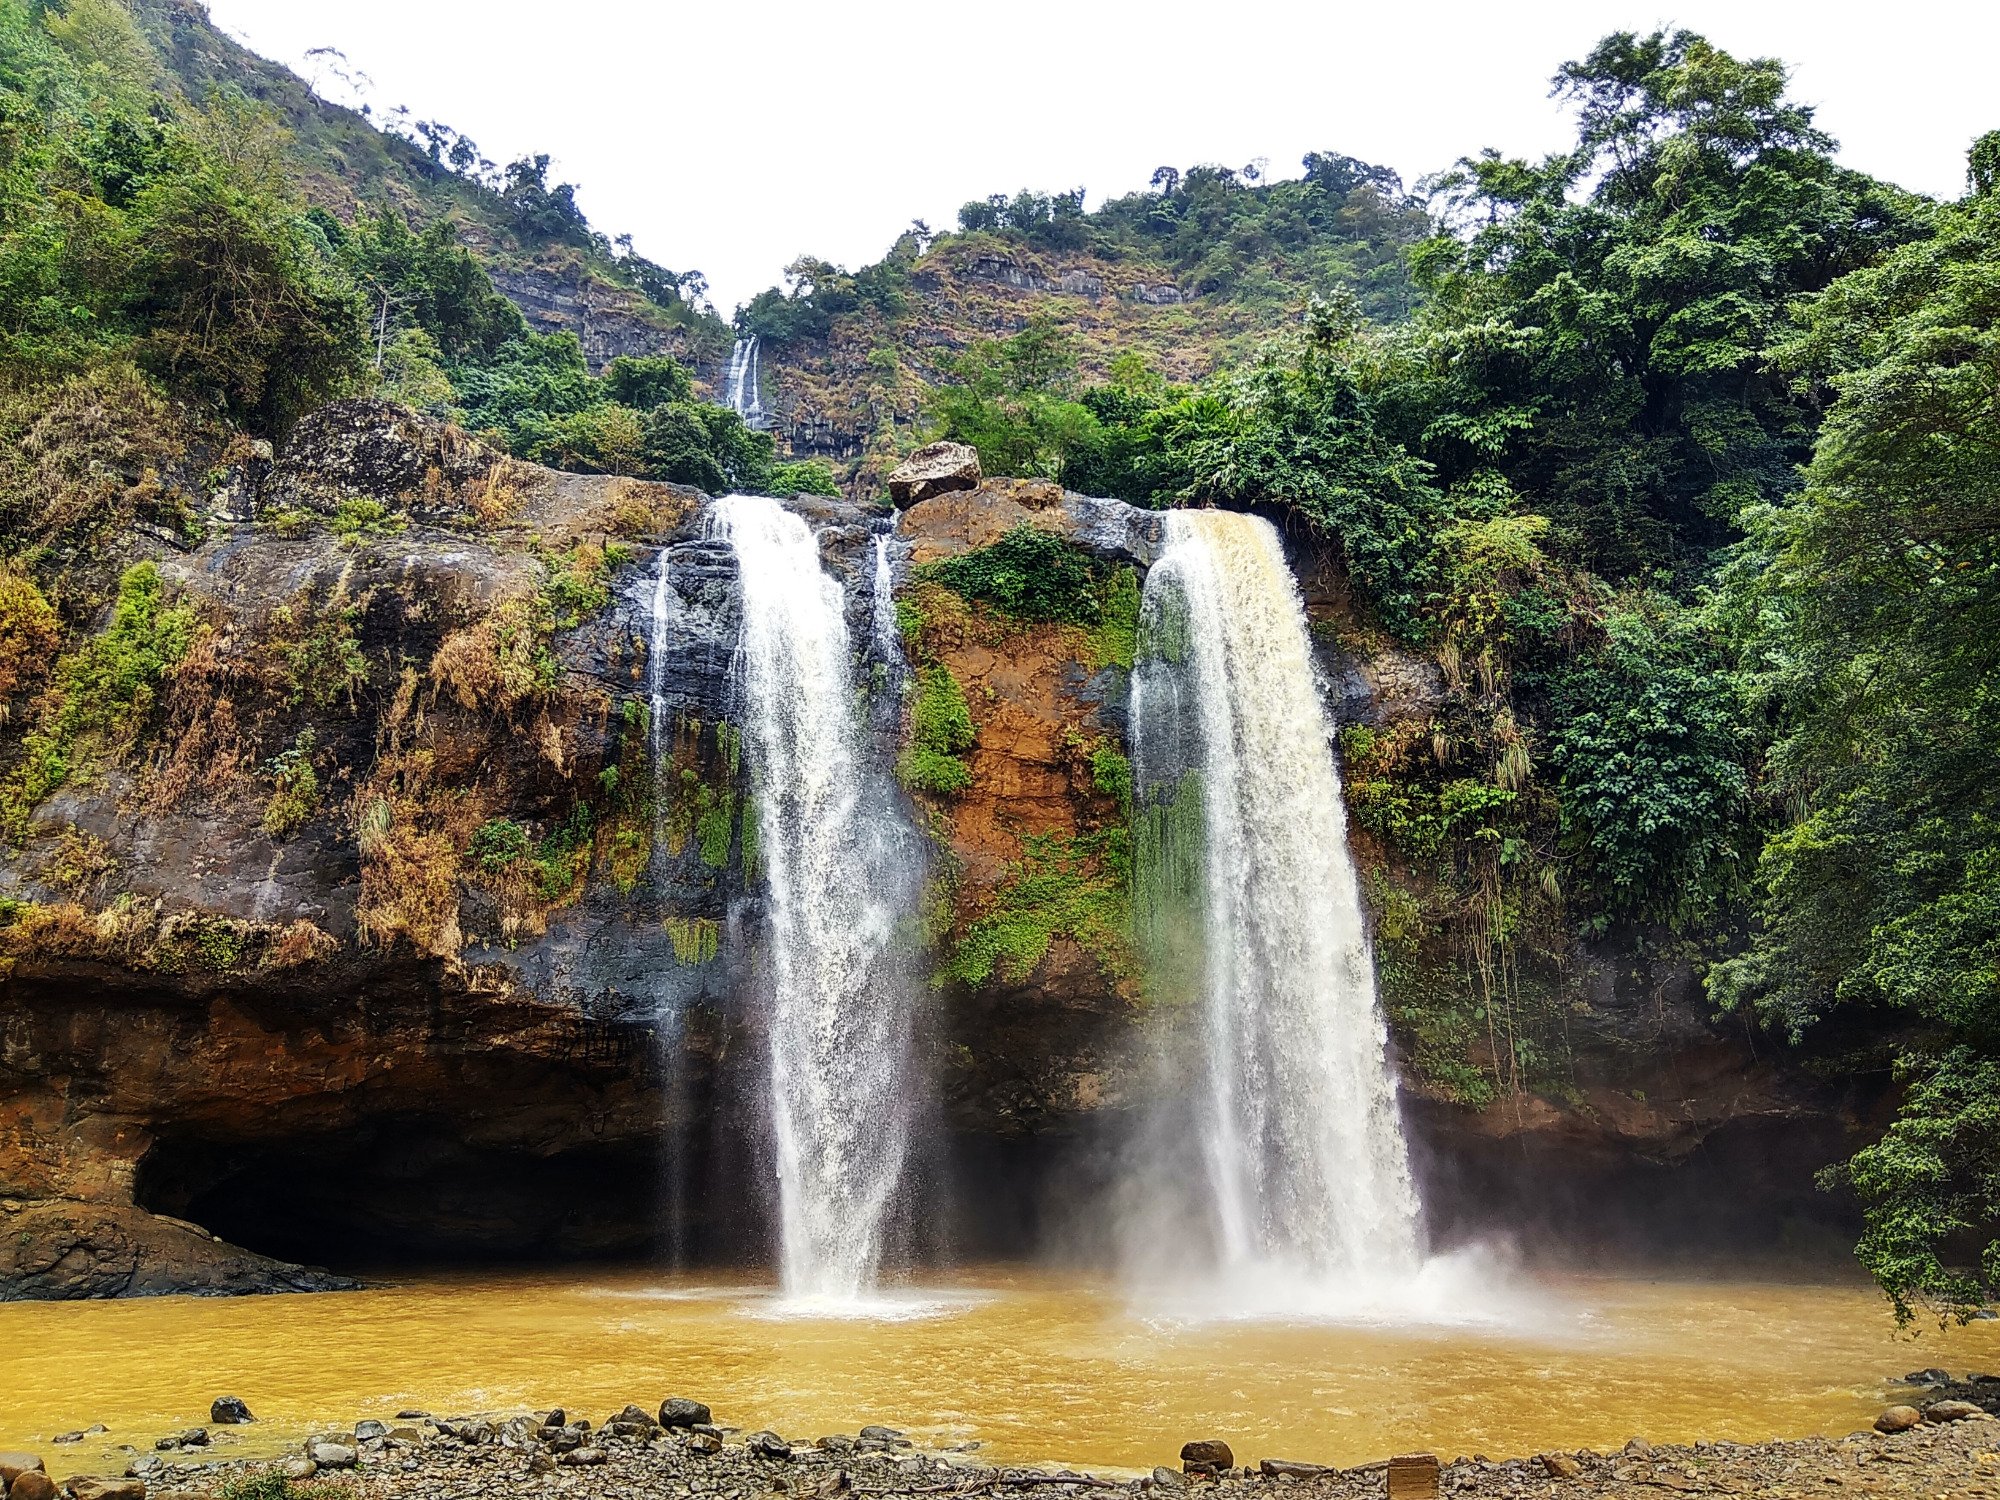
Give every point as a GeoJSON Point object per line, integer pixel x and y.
{"type": "Point", "coordinates": [1250, 915]}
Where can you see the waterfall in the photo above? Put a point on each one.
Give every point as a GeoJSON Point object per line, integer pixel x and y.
{"type": "Point", "coordinates": [742, 391]}
{"type": "Point", "coordinates": [882, 614]}
{"type": "Point", "coordinates": [838, 873]}
{"type": "Point", "coordinates": [1307, 1178]}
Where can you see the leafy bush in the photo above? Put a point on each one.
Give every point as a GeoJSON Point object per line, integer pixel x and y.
{"type": "Point", "coordinates": [1075, 888]}
{"type": "Point", "coordinates": [940, 729]}
{"type": "Point", "coordinates": [1651, 746]}
{"type": "Point", "coordinates": [104, 691]}
{"type": "Point", "coordinates": [1029, 574]}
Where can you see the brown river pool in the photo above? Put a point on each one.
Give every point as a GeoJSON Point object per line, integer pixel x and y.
{"type": "Point", "coordinates": [1035, 1367]}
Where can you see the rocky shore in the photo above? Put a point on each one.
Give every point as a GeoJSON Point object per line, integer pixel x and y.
{"type": "Point", "coordinates": [1948, 1448]}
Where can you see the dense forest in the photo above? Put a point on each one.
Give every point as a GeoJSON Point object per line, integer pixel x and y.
{"type": "Point", "coordinates": [1678, 451]}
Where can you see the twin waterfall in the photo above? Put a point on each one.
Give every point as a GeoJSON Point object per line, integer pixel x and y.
{"type": "Point", "coordinates": [1308, 1179]}
{"type": "Point", "coordinates": [840, 1012]}
{"type": "Point", "coordinates": [1241, 838]}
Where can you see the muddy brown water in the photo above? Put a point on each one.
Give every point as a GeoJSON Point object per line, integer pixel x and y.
{"type": "Point", "coordinates": [1034, 1367]}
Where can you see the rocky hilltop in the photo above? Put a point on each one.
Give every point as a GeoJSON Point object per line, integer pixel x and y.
{"type": "Point", "coordinates": [410, 911]}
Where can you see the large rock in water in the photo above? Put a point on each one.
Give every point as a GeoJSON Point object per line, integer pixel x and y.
{"type": "Point", "coordinates": [62, 1251]}
{"type": "Point", "coordinates": [933, 470]}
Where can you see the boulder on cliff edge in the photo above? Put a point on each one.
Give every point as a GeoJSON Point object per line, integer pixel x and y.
{"type": "Point", "coordinates": [933, 470]}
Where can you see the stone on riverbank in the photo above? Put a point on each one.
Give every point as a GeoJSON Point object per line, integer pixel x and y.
{"type": "Point", "coordinates": [1952, 1411]}
{"type": "Point", "coordinates": [228, 1411]}
{"type": "Point", "coordinates": [31, 1484]}
{"type": "Point", "coordinates": [1898, 1419]}
{"type": "Point", "coordinates": [767, 1444]}
{"type": "Point", "coordinates": [1561, 1466]}
{"type": "Point", "coordinates": [97, 1487]}
{"type": "Point", "coordinates": [678, 1411]}
{"type": "Point", "coordinates": [332, 1455]}
{"type": "Point", "coordinates": [1206, 1456]}
{"type": "Point", "coordinates": [1286, 1468]}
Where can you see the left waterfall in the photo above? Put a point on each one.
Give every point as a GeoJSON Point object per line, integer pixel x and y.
{"type": "Point", "coordinates": [840, 871]}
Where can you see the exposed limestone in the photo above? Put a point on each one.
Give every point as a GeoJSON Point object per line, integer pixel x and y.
{"type": "Point", "coordinates": [934, 470]}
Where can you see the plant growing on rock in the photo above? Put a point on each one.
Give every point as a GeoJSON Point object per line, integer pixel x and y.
{"type": "Point", "coordinates": [941, 729]}
{"type": "Point", "coordinates": [294, 788]}
{"type": "Point", "coordinates": [102, 694]}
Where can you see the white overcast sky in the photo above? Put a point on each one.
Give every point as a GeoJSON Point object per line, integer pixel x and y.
{"type": "Point", "coordinates": [734, 136]}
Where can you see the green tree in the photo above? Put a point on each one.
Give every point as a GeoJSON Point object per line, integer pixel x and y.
{"type": "Point", "coordinates": [1013, 400]}
{"type": "Point", "coordinates": [1601, 333]}
{"type": "Point", "coordinates": [1871, 604]}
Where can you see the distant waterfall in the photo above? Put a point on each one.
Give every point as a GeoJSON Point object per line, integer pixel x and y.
{"type": "Point", "coordinates": [840, 1012]}
{"type": "Point", "coordinates": [1241, 822]}
{"type": "Point", "coordinates": [742, 389]}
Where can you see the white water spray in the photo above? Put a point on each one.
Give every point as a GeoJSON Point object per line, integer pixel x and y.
{"type": "Point", "coordinates": [840, 1011]}
{"type": "Point", "coordinates": [1308, 1177]}
{"type": "Point", "coordinates": [882, 617]}
{"type": "Point", "coordinates": [742, 390]}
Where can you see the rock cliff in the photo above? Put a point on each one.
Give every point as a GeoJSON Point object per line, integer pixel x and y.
{"type": "Point", "coordinates": [411, 913]}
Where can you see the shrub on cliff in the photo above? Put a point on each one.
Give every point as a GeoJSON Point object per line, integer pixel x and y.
{"type": "Point", "coordinates": [102, 693]}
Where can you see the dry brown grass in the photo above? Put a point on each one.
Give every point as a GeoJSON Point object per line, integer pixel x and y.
{"type": "Point", "coordinates": [30, 636]}
{"type": "Point", "coordinates": [299, 944]}
{"type": "Point", "coordinates": [631, 508]}
{"type": "Point", "coordinates": [82, 459]}
{"type": "Point", "coordinates": [497, 498]}
{"type": "Point", "coordinates": [412, 834]}
{"type": "Point", "coordinates": [202, 744]}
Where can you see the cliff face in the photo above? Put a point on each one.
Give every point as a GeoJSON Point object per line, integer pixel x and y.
{"type": "Point", "coordinates": [411, 913]}
{"type": "Point", "coordinates": [856, 395]}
